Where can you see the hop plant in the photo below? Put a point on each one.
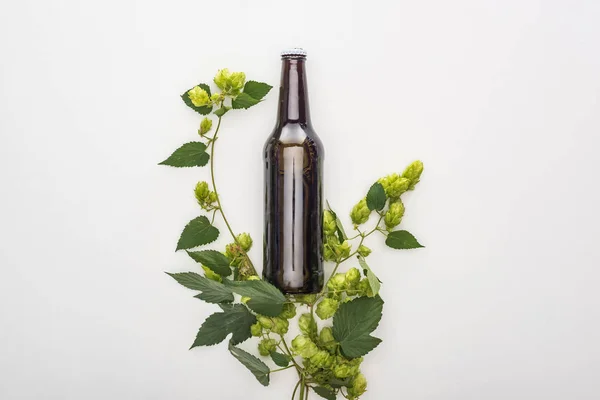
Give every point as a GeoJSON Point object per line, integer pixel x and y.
{"type": "Point", "coordinates": [394, 215]}
{"type": "Point", "coordinates": [231, 83]}
{"type": "Point", "coordinates": [360, 213]}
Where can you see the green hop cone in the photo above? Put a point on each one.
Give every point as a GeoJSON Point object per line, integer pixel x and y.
{"type": "Point", "coordinates": [205, 126]}
{"type": "Point", "coordinates": [280, 326]}
{"type": "Point", "coordinates": [413, 173]}
{"type": "Point", "coordinates": [198, 96]}
{"type": "Point", "coordinates": [304, 347]}
{"type": "Point", "coordinates": [245, 241]}
{"type": "Point", "coordinates": [359, 386]}
{"type": "Point", "coordinates": [212, 197]}
{"type": "Point", "coordinates": [267, 346]}
{"type": "Point", "coordinates": [210, 274]}
{"type": "Point", "coordinates": [327, 307]}
{"type": "Point", "coordinates": [307, 299]}
{"type": "Point", "coordinates": [364, 288]}
{"type": "Point", "coordinates": [360, 213]}
{"type": "Point", "coordinates": [343, 250]}
{"type": "Point", "coordinates": [327, 340]}
{"type": "Point", "coordinates": [256, 329]}
{"type": "Point", "coordinates": [329, 225]}
{"type": "Point", "coordinates": [201, 192]}
{"type": "Point", "coordinates": [222, 79]}
{"type": "Point", "coordinates": [322, 359]}
{"type": "Point", "coordinates": [394, 185]}
{"type": "Point", "coordinates": [266, 322]}
{"type": "Point", "coordinates": [307, 324]}
{"type": "Point", "coordinates": [337, 282]}
{"type": "Point", "coordinates": [346, 368]}
{"type": "Point", "coordinates": [289, 311]}
{"type": "Point", "coordinates": [394, 215]}
{"type": "Point", "coordinates": [236, 81]}
{"type": "Point", "coordinates": [329, 249]}
{"type": "Point", "coordinates": [364, 250]}
{"type": "Point", "coordinates": [234, 252]}
{"type": "Point", "coordinates": [352, 278]}
{"type": "Point", "coordinates": [216, 98]}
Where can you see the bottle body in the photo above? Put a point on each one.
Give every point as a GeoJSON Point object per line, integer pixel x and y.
{"type": "Point", "coordinates": [293, 157]}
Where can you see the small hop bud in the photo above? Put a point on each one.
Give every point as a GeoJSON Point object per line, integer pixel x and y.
{"type": "Point", "coordinates": [236, 81]}
{"type": "Point", "coordinates": [329, 248]}
{"type": "Point", "coordinates": [360, 213]}
{"type": "Point", "coordinates": [394, 215]}
{"type": "Point", "coordinates": [306, 298]}
{"type": "Point", "coordinates": [289, 311]}
{"type": "Point", "coordinates": [256, 329]}
{"type": "Point", "coordinates": [329, 225]}
{"type": "Point", "coordinates": [245, 299]}
{"type": "Point", "coordinates": [222, 79]}
{"type": "Point", "coordinates": [352, 278]}
{"type": "Point", "coordinates": [327, 307]}
{"type": "Point", "coordinates": [198, 96]}
{"type": "Point", "coordinates": [413, 173]}
{"type": "Point", "coordinates": [280, 326]}
{"type": "Point", "coordinates": [343, 250]}
{"type": "Point", "coordinates": [253, 278]}
{"type": "Point", "coordinates": [210, 274]}
{"type": "Point", "coordinates": [245, 241]}
{"type": "Point", "coordinates": [337, 282]}
{"type": "Point", "coordinates": [212, 197]}
{"type": "Point", "coordinates": [205, 126]}
{"type": "Point", "coordinates": [327, 339]}
{"type": "Point", "coordinates": [267, 346]}
{"type": "Point", "coordinates": [266, 322]}
{"type": "Point", "coordinates": [304, 347]}
{"type": "Point", "coordinates": [307, 324]}
{"type": "Point", "coordinates": [359, 386]}
{"type": "Point", "coordinates": [394, 185]}
{"type": "Point", "coordinates": [201, 192]}
{"type": "Point", "coordinates": [364, 250]}
{"type": "Point", "coordinates": [322, 359]}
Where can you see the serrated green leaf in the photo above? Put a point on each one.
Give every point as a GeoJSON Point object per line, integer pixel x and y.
{"type": "Point", "coordinates": [221, 111]}
{"type": "Point", "coordinates": [212, 292]}
{"type": "Point", "coordinates": [235, 319]}
{"type": "Point", "coordinates": [376, 197]}
{"type": "Point", "coordinates": [353, 323]}
{"type": "Point", "coordinates": [402, 240]}
{"type": "Point", "coordinates": [204, 110]}
{"type": "Point", "coordinates": [373, 280]}
{"type": "Point", "coordinates": [212, 259]}
{"type": "Point", "coordinates": [265, 298]}
{"type": "Point", "coordinates": [243, 100]}
{"type": "Point", "coordinates": [281, 360]}
{"type": "Point", "coordinates": [197, 232]}
{"type": "Point", "coordinates": [192, 154]}
{"type": "Point", "coordinates": [324, 392]}
{"type": "Point", "coordinates": [257, 90]}
{"type": "Point", "coordinates": [258, 368]}
{"type": "Point", "coordinates": [339, 227]}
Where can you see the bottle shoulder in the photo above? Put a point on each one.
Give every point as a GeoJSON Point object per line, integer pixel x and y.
{"type": "Point", "coordinates": [294, 134]}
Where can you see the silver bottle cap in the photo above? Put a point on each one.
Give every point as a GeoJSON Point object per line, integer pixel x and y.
{"type": "Point", "coordinates": [294, 52]}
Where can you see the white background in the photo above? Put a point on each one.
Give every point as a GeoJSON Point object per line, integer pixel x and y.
{"type": "Point", "coordinates": [500, 99]}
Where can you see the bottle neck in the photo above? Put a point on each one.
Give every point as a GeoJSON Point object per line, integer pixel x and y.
{"type": "Point", "coordinates": [293, 93]}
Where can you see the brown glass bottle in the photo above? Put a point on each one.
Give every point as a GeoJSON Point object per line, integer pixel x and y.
{"type": "Point", "coordinates": [293, 155]}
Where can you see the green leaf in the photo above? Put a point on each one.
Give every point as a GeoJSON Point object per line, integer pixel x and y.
{"type": "Point", "coordinates": [373, 280]}
{"type": "Point", "coordinates": [402, 240]}
{"type": "Point", "coordinates": [325, 393]}
{"type": "Point", "coordinates": [197, 232]}
{"type": "Point", "coordinates": [204, 110]}
{"type": "Point", "coordinates": [281, 360]}
{"type": "Point", "coordinates": [265, 298]}
{"type": "Point", "coordinates": [212, 292]}
{"type": "Point", "coordinates": [221, 111]}
{"type": "Point", "coordinates": [353, 323]}
{"type": "Point", "coordinates": [257, 90]}
{"type": "Point", "coordinates": [340, 228]}
{"type": "Point", "coordinates": [257, 367]}
{"type": "Point", "coordinates": [213, 259]}
{"type": "Point", "coordinates": [243, 100]}
{"type": "Point", "coordinates": [235, 319]}
{"type": "Point", "coordinates": [376, 197]}
{"type": "Point", "coordinates": [192, 154]}
{"type": "Point", "coordinates": [338, 383]}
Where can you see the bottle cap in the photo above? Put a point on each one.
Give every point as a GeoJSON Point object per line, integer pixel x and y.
{"type": "Point", "coordinates": [294, 52]}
